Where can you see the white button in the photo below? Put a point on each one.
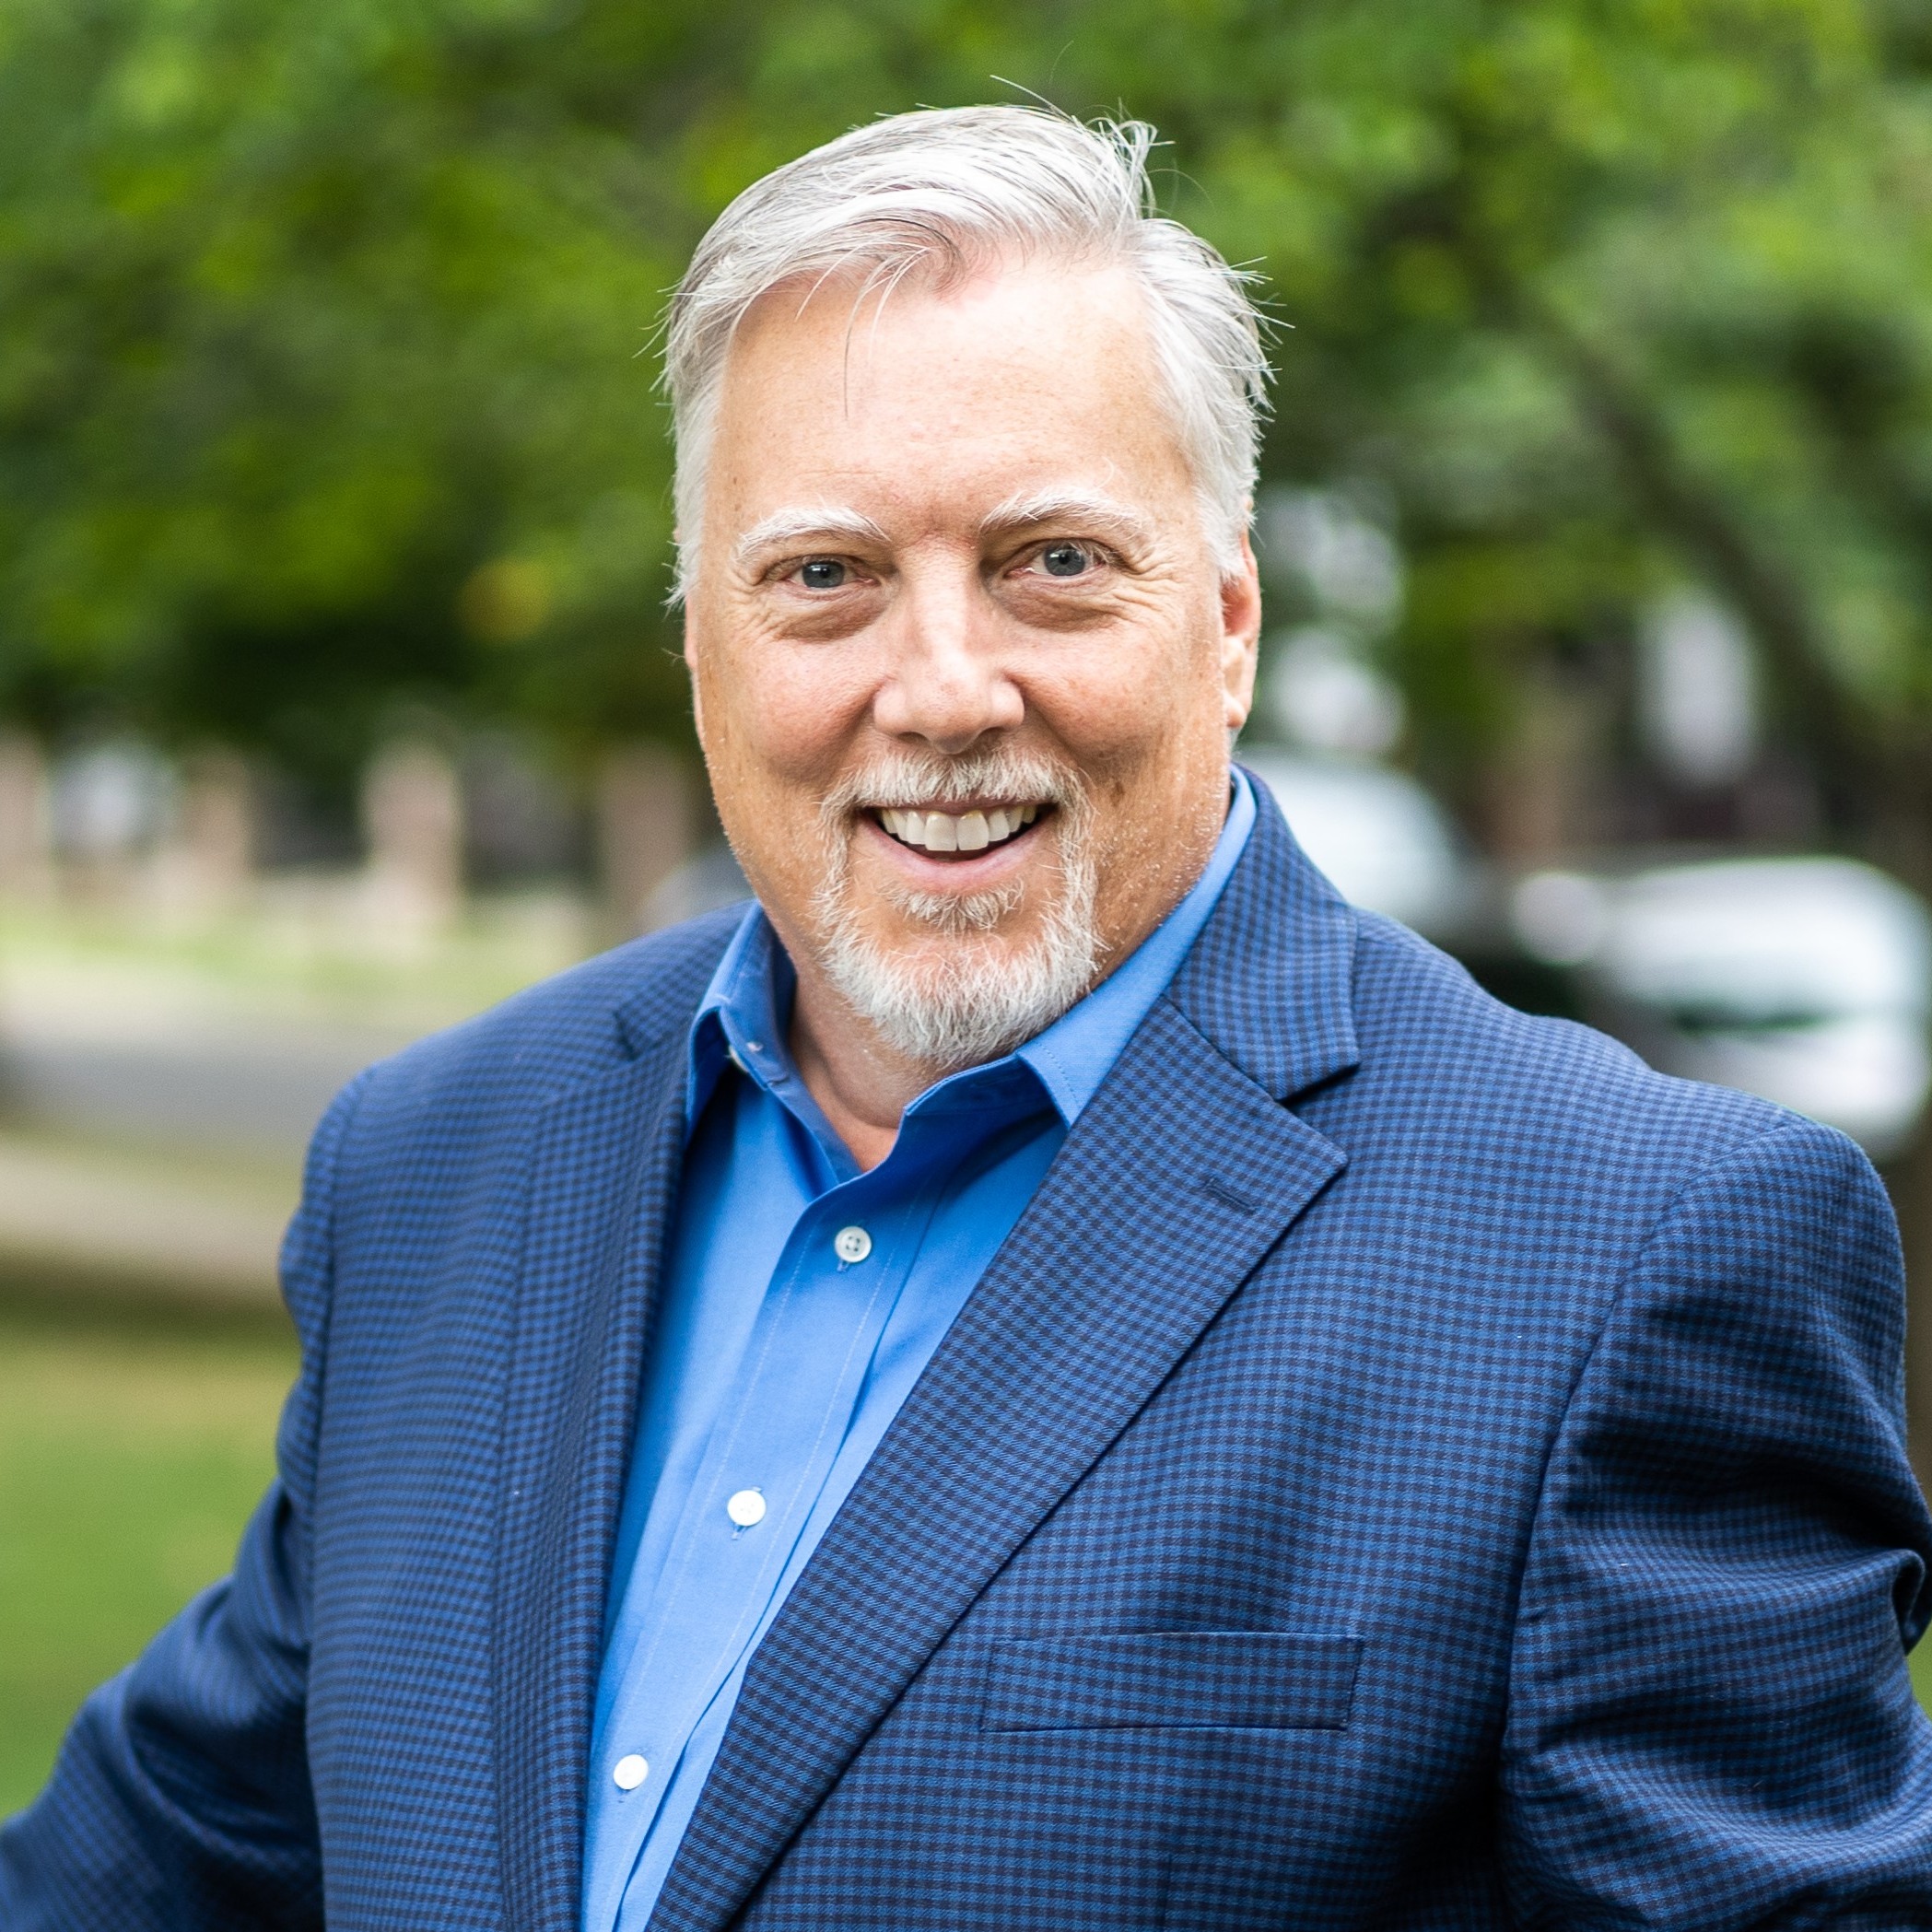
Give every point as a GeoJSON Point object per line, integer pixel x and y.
{"type": "Point", "coordinates": [746, 1508]}
{"type": "Point", "coordinates": [630, 1772]}
{"type": "Point", "coordinates": [852, 1244]}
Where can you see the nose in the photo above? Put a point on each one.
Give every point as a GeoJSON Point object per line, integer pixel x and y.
{"type": "Point", "coordinates": [946, 683]}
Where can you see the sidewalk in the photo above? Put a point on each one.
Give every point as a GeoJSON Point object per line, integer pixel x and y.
{"type": "Point", "coordinates": [130, 1222]}
{"type": "Point", "coordinates": [157, 1094]}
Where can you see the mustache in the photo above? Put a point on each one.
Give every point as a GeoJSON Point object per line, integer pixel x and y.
{"type": "Point", "coordinates": [901, 779]}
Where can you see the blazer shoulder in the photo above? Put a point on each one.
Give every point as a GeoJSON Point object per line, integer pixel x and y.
{"type": "Point", "coordinates": [573, 1026]}
{"type": "Point", "coordinates": [1544, 1090]}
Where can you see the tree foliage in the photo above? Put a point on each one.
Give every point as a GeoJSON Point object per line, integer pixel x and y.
{"type": "Point", "coordinates": [322, 329]}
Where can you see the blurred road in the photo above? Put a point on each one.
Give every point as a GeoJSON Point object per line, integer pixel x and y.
{"type": "Point", "coordinates": [248, 1089]}
{"type": "Point", "coordinates": [88, 1217]}
{"type": "Point", "coordinates": [152, 1126]}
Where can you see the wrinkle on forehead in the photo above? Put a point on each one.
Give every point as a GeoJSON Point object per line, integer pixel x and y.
{"type": "Point", "coordinates": [872, 284]}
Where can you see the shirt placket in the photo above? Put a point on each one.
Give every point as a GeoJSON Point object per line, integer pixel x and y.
{"type": "Point", "coordinates": [767, 1460]}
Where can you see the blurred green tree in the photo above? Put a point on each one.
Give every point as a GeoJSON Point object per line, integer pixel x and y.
{"type": "Point", "coordinates": [320, 331]}
{"type": "Point", "coordinates": [323, 334]}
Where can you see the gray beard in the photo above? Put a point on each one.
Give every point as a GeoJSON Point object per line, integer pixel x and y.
{"type": "Point", "coordinates": [977, 998]}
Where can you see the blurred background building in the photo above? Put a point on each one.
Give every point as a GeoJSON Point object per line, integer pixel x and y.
{"type": "Point", "coordinates": [339, 693]}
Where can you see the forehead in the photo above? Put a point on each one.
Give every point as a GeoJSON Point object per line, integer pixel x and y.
{"type": "Point", "coordinates": [928, 405]}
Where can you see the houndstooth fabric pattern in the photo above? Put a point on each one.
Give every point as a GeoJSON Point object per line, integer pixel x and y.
{"type": "Point", "coordinates": [1410, 1468]}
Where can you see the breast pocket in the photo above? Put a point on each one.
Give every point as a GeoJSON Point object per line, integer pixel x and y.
{"type": "Point", "coordinates": [1245, 1680]}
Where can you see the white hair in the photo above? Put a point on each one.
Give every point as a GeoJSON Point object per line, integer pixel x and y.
{"type": "Point", "coordinates": [951, 190]}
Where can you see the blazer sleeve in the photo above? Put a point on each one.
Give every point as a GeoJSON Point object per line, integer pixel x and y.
{"type": "Point", "coordinates": [180, 1797]}
{"type": "Point", "coordinates": [1711, 1722]}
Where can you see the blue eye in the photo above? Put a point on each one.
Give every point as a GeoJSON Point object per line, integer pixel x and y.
{"type": "Point", "coordinates": [1064, 559]}
{"type": "Point", "coordinates": [822, 573]}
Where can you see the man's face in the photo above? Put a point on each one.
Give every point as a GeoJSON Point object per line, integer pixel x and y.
{"type": "Point", "coordinates": [964, 661]}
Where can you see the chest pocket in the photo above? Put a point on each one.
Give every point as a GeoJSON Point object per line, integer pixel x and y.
{"type": "Point", "coordinates": [1250, 1680]}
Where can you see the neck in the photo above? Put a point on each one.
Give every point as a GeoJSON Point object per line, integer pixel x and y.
{"type": "Point", "coordinates": [863, 1086]}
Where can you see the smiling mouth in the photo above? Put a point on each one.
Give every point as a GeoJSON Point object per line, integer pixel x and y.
{"type": "Point", "coordinates": [951, 834]}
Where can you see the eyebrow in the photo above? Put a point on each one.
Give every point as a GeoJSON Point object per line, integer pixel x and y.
{"type": "Point", "coordinates": [1076, 506]}
{"type": "Point", "coordinates": [831, 522]}
{"type": "Point", "coordinates": [788, 526]}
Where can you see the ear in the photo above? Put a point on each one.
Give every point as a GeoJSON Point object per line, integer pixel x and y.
{"type": "Point", "coordinates": [1240, 636]}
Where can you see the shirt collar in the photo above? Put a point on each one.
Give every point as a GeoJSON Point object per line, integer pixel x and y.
{"type": "Point", "coordinates": [1078, 1052]}
{"type": "Point", "coordinates": [745, 1011]}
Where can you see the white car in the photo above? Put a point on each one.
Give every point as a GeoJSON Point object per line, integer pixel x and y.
{"type": "Point", "coordinates": [1805, 980]}
{"type": "Point", "coordinates": [1381, 839]}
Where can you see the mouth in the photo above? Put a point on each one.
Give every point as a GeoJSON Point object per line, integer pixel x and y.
{"type": "Point", "coordinates": [958, 835]}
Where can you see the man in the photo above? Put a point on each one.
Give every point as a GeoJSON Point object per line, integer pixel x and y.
{"type": "Point", "coordinates": [1048, 1375]}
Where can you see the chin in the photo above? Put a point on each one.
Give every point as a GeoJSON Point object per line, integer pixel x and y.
{"type": "Point", "coordinates": [956, 983]}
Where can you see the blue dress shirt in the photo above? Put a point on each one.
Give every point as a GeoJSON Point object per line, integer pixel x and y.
{"type": "Point", "coordinates": [800, 1300]}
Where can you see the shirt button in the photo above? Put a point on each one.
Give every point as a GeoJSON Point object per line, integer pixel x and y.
{"type": "Point", "coordinates": [630, 1772]}
{"type": "Point", "coordinates": [744, 1508]}
{"type": "Point", "coordinates": [852, 1244]}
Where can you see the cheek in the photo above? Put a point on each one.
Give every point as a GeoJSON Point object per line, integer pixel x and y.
{"type": "Point", "coordinates": [784, 709]}
{"type": "Point", "coordinates": [1127, 704]}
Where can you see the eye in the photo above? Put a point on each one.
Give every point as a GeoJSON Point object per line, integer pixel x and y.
{"type": "Point", "coordinates": [823, 573]}
{"type": "Point", "coordinates": [1066, 559]}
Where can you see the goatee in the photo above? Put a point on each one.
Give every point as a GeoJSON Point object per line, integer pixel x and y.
{"type": "Point", "coordinates": [975, 996]}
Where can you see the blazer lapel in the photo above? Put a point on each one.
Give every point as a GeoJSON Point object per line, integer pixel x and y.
{"type": "Point", "coordinates": [1176, 1182]}
{"type": "Point", "coordinates": [605, 1161]}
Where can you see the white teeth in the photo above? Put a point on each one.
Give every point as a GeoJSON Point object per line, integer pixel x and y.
{"type": "Point", "coordinates": [971, 832]}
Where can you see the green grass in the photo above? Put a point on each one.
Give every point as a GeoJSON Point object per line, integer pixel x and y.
{"type": "Point", "coordinates": [133, 1448]}
{"type": "Point", "coordinates": [133, 1444]}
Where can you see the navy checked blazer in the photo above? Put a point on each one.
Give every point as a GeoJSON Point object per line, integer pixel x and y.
{"type": "Point", "coordinates": [1409, 1467]}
